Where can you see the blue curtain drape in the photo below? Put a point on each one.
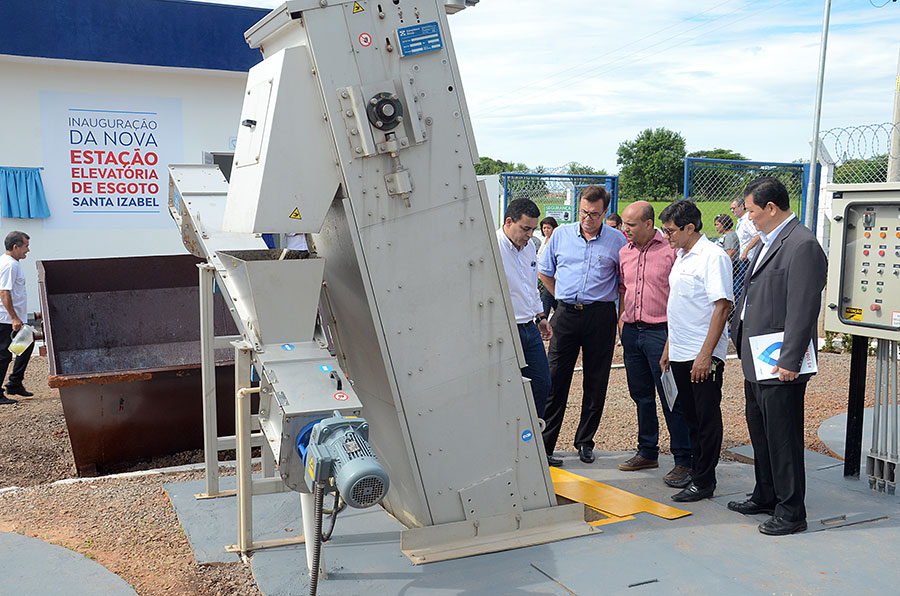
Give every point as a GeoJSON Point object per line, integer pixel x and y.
{"type": "Point", "coordinates": [22, 193]}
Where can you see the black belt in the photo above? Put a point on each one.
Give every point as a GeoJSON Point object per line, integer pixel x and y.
{"type": "Point", "coordinates": [644, 326]}
{"type": "Point", "coordinates": [583, 306]}
{"type": "Point", "coordinates": [525, 324]}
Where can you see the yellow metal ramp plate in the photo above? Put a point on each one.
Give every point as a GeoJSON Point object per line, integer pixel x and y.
{"type": "Point", "coordinates": [616, 504]}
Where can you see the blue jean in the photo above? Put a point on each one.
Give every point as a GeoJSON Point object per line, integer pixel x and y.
{"type": "Point", "coordinates": [548, 301]}
{"type": "Point", "coordinates": [537, 368]}
{"type": "Point", "coordinates": [642, 349]}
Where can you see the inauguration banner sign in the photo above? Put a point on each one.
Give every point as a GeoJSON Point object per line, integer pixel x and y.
{"type": "Point", "coordinates": [105, 159]}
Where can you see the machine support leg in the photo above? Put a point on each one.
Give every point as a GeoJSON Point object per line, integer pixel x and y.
{"type": "Point", "coordinates": [268, 460]}
{"type": "Point", "coordinates": [242, 436]}
{"type": "Point", "coordinates": [208, 377]}
{"type": "Point", "coordinates": [855, 404]}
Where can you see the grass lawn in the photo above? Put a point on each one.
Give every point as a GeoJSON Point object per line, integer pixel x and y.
{"type": "Point", "coordinates": [709, 210]}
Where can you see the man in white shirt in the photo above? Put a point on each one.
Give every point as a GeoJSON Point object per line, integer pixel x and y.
{"type": "Point", "coordinates": [520, 264]}
{"type": "Point", "coordinates": [700, 297]}
{"type": "Point", "coordinates": [748, 238]}
{"type": "Point", "coordinates": [13, 313]}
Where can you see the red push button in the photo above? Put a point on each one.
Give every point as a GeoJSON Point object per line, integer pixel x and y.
{"type": "Point", "coordinates": [866, 253]}
{"type": "Point", "coordinates": [880, 253]}
{"type": "Point", "coordinates": [875, 307]}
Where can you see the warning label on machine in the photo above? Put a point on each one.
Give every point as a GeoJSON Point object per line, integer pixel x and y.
{"type": "Point", "coordinates": [853, 314]}
{"type": "Point", "coordinates": [419, 39]}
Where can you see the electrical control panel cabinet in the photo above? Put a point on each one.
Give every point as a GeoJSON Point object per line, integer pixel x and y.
{"type": "Point", "coordinates": [863, 293]}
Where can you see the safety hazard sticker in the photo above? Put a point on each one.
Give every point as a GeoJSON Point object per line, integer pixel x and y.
{"type": "Point", "coordinates": [365, 40]}
{"type": "Point", "coordinates": [295, 214]}
{"type": "Point", "coordinates": [853, 314]}
{"type": "Point", "coordinates": [341, 396]}
{"type": "Point", "coordinates": [357, 7]}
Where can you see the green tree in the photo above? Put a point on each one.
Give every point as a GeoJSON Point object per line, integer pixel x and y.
{"type": "Point", "coordinates": [717, 153]}
{"type": "Point", "coordinates": [717, 182]}
{"type": "Point", "coordinates": [859, 171]}
{"type": "Point", "coordinates": [575, 168]}
{"type": "Point", "coordinates": [488, 166]}
{"type": "Point", "coordinates": [652, 165]}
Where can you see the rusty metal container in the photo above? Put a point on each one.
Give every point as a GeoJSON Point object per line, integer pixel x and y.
{"type": "Point", "coordinates": [123, 344]}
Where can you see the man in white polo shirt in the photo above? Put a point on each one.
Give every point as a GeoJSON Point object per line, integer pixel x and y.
{"type": "Point", "coordinates": [700, 297]}
{"type": "Point", "coordinates": [520, 264]}
{"type": "Point", "coordinates": [13, 313]}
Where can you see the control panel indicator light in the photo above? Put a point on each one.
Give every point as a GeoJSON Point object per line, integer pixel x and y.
{"type": "Point", "coordinates": [880, 253]}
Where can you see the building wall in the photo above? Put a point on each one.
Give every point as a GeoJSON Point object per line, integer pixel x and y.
{"type": "Point", "coordinates": [210, 111]}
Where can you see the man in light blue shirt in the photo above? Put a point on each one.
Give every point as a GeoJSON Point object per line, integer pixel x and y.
{"type": "Point", "coordinates": [580, 268]}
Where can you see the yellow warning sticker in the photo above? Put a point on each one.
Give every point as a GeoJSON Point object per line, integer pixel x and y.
{"type": "Point", "coordinates": [295, 214]}
{"type": "Point", "coordinates": [357, 7]}
{"type": "Point", "coordinates": [853, 314]}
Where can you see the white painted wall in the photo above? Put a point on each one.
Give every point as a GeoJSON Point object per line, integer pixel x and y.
{"type": "Point", "coordinates": [211, 107]}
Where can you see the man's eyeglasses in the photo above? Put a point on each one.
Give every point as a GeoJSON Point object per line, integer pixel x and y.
{"type": "Point", "coordinates": [670, 231]}
{"type": "Point", "coordinates": [591, 214]}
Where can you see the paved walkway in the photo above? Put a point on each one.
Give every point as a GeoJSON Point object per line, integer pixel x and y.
{"type": "Point", "coordinates": [30, 566]}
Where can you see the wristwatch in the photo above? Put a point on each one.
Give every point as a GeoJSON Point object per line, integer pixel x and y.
{"type": "Point", "coordinates": [539, 317]}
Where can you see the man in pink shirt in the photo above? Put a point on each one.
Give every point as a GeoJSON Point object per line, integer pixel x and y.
{"type": "Point", "coordinates": [645, 264]}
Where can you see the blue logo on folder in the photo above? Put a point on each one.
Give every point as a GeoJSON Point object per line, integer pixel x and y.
{"type": "Point", "coordinates": [766, 355]}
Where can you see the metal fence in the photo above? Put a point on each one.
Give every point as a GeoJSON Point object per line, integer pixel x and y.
{"type": "Point", "coordinates": [858, 154]}
{"type": "Point", "coordinates": [556, 195]}
{"type": "Point", "coordinates": [714, 183]}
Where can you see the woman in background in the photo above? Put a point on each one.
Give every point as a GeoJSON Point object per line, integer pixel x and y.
{"type": "Point", "coordinates": [728, 240]}
{"type": "Point", "coordinates": [548, 224]}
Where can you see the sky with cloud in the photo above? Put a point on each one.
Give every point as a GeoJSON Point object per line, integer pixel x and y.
{"type": "Point", "coordinates": [553, 82]}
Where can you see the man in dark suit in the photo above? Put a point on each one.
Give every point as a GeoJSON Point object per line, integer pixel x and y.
{"type": "Point", "coordinates": [782, 295]}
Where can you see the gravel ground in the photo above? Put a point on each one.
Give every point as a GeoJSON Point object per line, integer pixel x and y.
{"type": "Point", "coordinates": [129, 526]}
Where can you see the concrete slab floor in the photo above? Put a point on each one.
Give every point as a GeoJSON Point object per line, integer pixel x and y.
{"type": "Point", "coordinates": [848, 548]}
{"type": "Point", "coordinates": [32, 566]}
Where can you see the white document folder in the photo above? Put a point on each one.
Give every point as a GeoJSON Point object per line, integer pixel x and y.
{"type": "Point", "coordinates": [766, 349]}
{"type": "Point", "coordinates": [669, 387]}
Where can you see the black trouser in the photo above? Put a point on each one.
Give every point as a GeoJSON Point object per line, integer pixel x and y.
{"type": "Point", "coordinates": [775, 421]}
{"type": "Point", "coordinates": [701, 404]}
{"type": "Point", "coordinates": [18, 372]}
{"type": "Point", "coordinates": [593, 331]}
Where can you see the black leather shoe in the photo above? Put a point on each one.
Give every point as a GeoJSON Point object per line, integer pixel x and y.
{"type": "Point", "coordinates": [586, 454]}
{"type": "Point", "coordinates": [554, 461]}
{"type": "Point", "coordinates": [750, 507]}
{"type": "Point", "coordinates": [5, 401]}
{"type": "Point", "coordinates": [18, 390]}
{"type": "Point", "coordinates": [778, 526]}
{"type": "Point", "coordinates": [693, 493]}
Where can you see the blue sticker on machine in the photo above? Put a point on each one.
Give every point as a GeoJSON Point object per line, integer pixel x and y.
{"type": "Point", "coordinates": [287, 347]}
{"type": "Point", "coordinates": [526, 436]}
{"type": "Point", "coordinates": [419, 39]}
{"type": "Point", "coordinates": [325, 368]}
